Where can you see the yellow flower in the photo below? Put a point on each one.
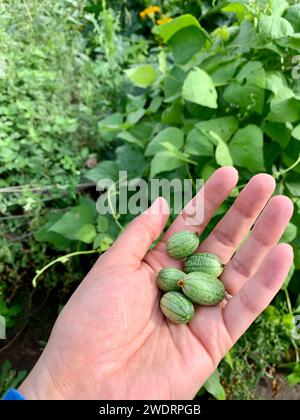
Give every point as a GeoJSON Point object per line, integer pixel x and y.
{"type": "Point", "coordinates": [149, 11]}
{"type": "Point", "coordinates": [163, 20]}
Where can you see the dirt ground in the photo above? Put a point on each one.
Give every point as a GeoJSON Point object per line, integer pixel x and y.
{"type": "Point", "coordinates": [24, 347]}
{"type": "Point", "coordinates": [277, 389]}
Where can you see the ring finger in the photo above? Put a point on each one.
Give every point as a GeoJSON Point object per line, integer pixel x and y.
{"type": "Point", "coordinates": [264, 236]}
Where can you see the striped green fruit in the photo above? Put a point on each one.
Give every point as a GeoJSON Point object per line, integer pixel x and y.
{"type": "Point", "coordinates": [182, 244]}
{"type": "Point", "coordinates": [176, 307]}
{"type": "Point", "coordinates": [204, 262]}
{"type": "Point", "coordinates": [203, 288]}
{"type": "Point", "coordinates": [168, 278]}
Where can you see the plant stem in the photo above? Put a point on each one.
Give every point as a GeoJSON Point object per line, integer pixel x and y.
{"type": "Point", "coordinates": [109, 192]}
{"type": "Point", "coordinates": [15, 337]}
{"type": "Point", "coordinates": [289, 305]}
{"type": "Point", "coordinates": [288, 301]}
{"type": "Point", "coordinates": [241, 186]}
{"type": "Point", "coordinates": [63, 260]}
{"type": "Point", "coordinates": [284, 171]}
{"type": "Point", "coordinates": [112, 211]}
{"type": "Point", "coordinates": [189, 174]}
{"type": "Point", "coordinates": [215, 9]}
{"type": "Point", "coordinates": [27, 10]}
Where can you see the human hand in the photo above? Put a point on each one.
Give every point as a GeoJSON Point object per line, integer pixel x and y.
{"type": "Point", "coordinates": [111, 340]}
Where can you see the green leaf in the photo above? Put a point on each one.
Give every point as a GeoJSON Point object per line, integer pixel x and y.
{"type": "Point", "coordinates": [293, 42]}
{"type": "Point", "coordinates": [277, 6]}
{"type": "Point", "coordinates": [252, 73]}
{"type": "Point", "coordinates": [86, 234]}
{"type": "Point", "coordinates": [106, 169]}
{"type": "Point", "coordinates": [198, 144]}
{"type": "Point", "coordinates": [214, 387]}
{"type": "Point", "coordinates": [278, 132]}
{"type": "Point", "coordinates": [72, 225]}
{"type": "Point", "coordinates": [222, 153]}
{"type": "Point", "coordinates": [228, 359]}
{"type": "Point", "coordinates": [172, 135]}
{"type": "Point", "coordinates": [185, 43]}
{"type": "Point", "coordinates": [291, 155]}
{"type": "Point", "coordinates": [102, 241]}
{"type": "Point", "coordinates": [45, 235]}
{"type": "Point", "coordinates": [292, 182]}
{"type": "Point", "coordinates": [225, 72]}
{"type": "Point", "coordinates": [102, 223]}
{"type": "Point", "coordinates": [176, 153]}
{"type": "Point", "coordinates": [135, 116]}
{"type": "Point", "coordinates": [142, 76]}
{"type": "Point", "coordinates": [135, 102]}
{"type": "Point", "coordinates": [164, 162]}
{"type": "Point", "coordinates": [276, 82]}
{"type": "Point", "coordinates": [162, 62]}
{"type": "Point", "coordinates": [245, 40]}
{"type": "Point", "coordinates": [289, 234]}
{"type": "Point", "coordinates": [169, 29]}
{"type": "Point", "coordinates": [173, 82]}
{"type": "Point", "coordinates": [224, 127]}
{"type": "Point", "coordinates": [237, 8]}
{"type": "Point", "coordinates": [271, 153]}
{"type": "Point", "coordinates": [274, 27]}
{"type": "Point", "coordinates": [292, 14]}
{"type": "Point", "coordinates": [246, 148]}
{"type": "Point", "coordinates": [212, 62]}
{"type": "Point", "coordinates": [89, 203]}
{"type": "Point", "coordinates": [155, 104]}
{"type": "Point", "coordinates": [294, 378]}
{"type": "Point", "coordinates": [296, 132]}
{"type": "Point", "coordinates": [249, 97]}
{"type": "Point", "coordinates": [288, 277]}
{"type": "Point", "coordinates": [208, 169]}
{"type": "Point", "coordinates": [198, 87]}
{"type": "Point", "coordinates": [126, 136]}
{"type": "Point", "coordinates": [130, 159]}
{"type": "Point", "coordinates": [110, 126]}
{"type": "Point", "coordinates": [143, 130]}
{"type": "Point", "coordinates": [173, 115]}
{"type": "Point", "coordinates": [287, 110]}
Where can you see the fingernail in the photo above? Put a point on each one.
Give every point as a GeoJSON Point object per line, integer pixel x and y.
{"type": "Point", "coordinates": [159, 206]}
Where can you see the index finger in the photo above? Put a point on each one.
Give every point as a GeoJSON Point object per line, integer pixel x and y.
{"type": "Point", "coordinates": [210, 197]}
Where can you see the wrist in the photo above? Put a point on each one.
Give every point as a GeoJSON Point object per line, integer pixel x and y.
{"type": "Point", "coordinates": [39, 384]}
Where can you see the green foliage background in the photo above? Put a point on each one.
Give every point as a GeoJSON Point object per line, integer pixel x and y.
{"type": "Point", "coordinates": [90, 89]}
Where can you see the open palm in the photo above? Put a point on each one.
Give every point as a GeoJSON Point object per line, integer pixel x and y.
{"type": "Point", "coordinates": [111, 341]}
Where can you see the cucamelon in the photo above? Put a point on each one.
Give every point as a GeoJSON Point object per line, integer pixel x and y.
{"type": "Point", "coordinates": [205, 263]}
{"type": "Point", "coordinates": [182, 244]}
{"type": "Point", "coordinates": [167, 279]}
{"type": "Point", "coordinates": [176, 307]}
{"type": "Point", "coordinates": [202, 288]}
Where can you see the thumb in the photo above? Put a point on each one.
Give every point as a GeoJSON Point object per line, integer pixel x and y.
{"type": "Point", "coordinates": [135, 241]}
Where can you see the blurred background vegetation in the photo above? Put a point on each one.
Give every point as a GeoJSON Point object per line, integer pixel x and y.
{"type": "Point", "coordinates": [89, 87]}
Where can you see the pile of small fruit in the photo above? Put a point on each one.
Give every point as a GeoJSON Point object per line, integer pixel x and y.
{"type": "Point", "coordinates": [198, 283]}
